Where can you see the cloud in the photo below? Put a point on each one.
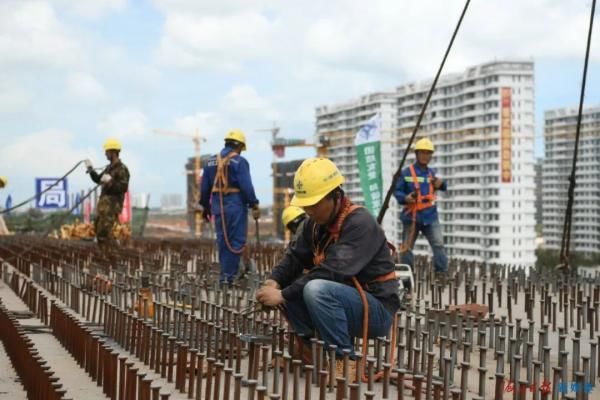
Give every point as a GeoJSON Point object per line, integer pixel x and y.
{"type": "Point", "coordinates": [410, 37]}
{"type": "Point", "coordinates": [56, 152]}
{"type": "Point", "coordinates": [91, 8]}
{"type": "Point", "coordinates": [216, 7]}
{"type": "Point", "coordinates": [86, 87]}
{"type": "Point", "coordinates": [31, 34]}
{"type": "Point", "coordinates": [244, 102]}
{"type": "Point", "coordinates": [129, 122]}
{"type": "Point", "coordinates": [216, 42]}
{"type": "Point", "coordinates": [13, 98]}
{"type": "Point", "coordinates": [207, 124]}
{"type": "Point", "coordinates": [241, 107]}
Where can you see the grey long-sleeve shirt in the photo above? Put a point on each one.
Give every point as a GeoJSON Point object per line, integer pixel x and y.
{"type": "Point", "coordinates": [360, 251]}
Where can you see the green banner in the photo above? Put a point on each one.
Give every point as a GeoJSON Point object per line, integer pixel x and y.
{"type": "Point", "coordinates": [368, 151]}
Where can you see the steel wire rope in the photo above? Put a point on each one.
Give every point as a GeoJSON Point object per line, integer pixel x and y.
{"type": "Point", "coordinates": [21, 204]}
{"type": "Point", "coordinates": [398, 173]}
{"type": "Point", "coordinates": [60, 220]}
{"type": "Point", "coordinates": [565, 249]}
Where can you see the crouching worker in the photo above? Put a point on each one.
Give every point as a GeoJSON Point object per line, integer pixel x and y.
{"type": "Point", "coordinates": [345, 253]}
{"type": "Point", "coordinates": [292, 218]}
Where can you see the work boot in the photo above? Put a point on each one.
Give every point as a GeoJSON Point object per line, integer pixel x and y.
{"type": "Point", "coordinates": [442, 277]}
{"type": "Point", "coordinates": [339, 370]}
{"type": "Point", "coordinates": [302, 351]}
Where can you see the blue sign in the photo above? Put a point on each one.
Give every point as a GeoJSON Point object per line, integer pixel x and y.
{"type": "Point", "coordinates": [8, 203]}
{"type": "Point", "coordinates": [77, 210]}
{"type": "Point", "coordinates": [54, 198]}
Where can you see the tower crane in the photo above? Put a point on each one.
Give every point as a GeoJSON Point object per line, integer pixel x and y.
{"type": "Point", "coordinates": [278, 145]}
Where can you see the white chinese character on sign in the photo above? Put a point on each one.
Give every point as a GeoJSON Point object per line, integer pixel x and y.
{"type": "Point", "coordinates": [373, 187]}
{"type": "Point", "coordinates": [55, 197]}
{"type": "Point", "coordinates": [370, 159]}
{"type": "Point", "coordinates": [368, 150]}
{"type": "Point", "coordinates": [372, 175]}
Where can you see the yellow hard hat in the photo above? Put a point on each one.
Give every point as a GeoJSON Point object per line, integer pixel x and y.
{"type": "Point", "coordinates": [112, 144]}
{"type": "Point", "coordinates": [291, 213]}
{"type": "Point", "coordinates": [3, 181]}
{"type": "Point", "coordinates": [314, 179]}
{"type": "Point", "coordinates": [238, 136]}
{"type": "Point", "coordinates": [424, 144]}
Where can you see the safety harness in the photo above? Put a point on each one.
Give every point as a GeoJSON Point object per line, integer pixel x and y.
{"type": "Point", "coordinates": [221, 186]}
{"type": "Point", "coordinates": [422, 202]}
{"type": "Point", "coordinates": [319, 256]}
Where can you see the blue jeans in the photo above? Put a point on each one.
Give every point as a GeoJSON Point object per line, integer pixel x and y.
{"type": "Point", "coordinates": [335, 311]}
{"type": "Point", "coordinates": [433, 233]}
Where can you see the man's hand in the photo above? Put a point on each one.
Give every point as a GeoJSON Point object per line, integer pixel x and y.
{"type": "Point", "coordinates": [271, 283]}
{"type": "Point", "coordinates": [206, 214]}
{"type": "Point", "coordinates": [410, 198]}
{"type": "Point", "coordinates": [88, 164]}
{"type": "Point", "coordinates": [256, 212]}
{"type": "Point", "coordinates": [269, 296]}
{"type": "Point", "coordinates": [437, 182]}
{"type": "Point", "coordinates": [105, 179]}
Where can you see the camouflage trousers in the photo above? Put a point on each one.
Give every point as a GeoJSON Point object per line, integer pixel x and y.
{"type": "Point", "coordinates": [107, 215]}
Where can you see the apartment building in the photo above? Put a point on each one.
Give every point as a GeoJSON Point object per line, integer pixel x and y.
{"type": "Point", "coordinates": [482, 123]}
{"type": "Point", "coordinates": [559, 134]}
{"type": "Point", "coordinates": [338, 124]}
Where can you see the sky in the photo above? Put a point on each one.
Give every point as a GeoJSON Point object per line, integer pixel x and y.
{"type": "Point", "coordinates": [73, 73]}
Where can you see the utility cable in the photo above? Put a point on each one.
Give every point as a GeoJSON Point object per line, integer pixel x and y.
{"type": "Point", "coordinates": [60, 220]}
{"type": "Point", "coordinates": [565, 249]}
{"type": "Point", "coordinates": [5, 211]}
{"type": "Point", "coordinates": [388, 196]}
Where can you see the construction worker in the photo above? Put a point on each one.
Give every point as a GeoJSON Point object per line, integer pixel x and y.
{"type": "Point", "coordinates": [416, 192]}
{"type": "Point", "coordinates": [346, 255]}
{"type": "Point", "coordinates": [3, 228]}
{"type": "Point", "coordinates": [227, 193]}
{"type": "Point", "coordinates": [115, 183]}
{"type": "Point", "coordinates": [292, 218]}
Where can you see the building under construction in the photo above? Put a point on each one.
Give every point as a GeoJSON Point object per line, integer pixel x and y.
{"type": "Point", "coordinates": [283, 184]}
{"type": "Point", "coordinates": [193, 190]}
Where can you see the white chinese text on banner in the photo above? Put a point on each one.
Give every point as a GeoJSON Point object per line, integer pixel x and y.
{"type": "Point", "coordinates": [368, 152]}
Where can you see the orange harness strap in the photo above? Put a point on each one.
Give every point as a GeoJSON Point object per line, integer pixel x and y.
{"type": "Point", "coordinates": [421, 203]}
{"type": "Point", "coordinates": [426, 201]}
{"type": "Point", "coordinates": [221, 186]}
{"type": "Point", "coordinates": [319, 257]}
{"type": "Point", "coordinates": [221, 183]}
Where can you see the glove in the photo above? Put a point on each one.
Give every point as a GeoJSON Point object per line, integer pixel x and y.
{"type": "Point", "coordinates": [206, 214]}
{"type": "Point", "coordinates": [106, 178]}
{"type": "Point", "coordinates": [88, 164]}
{"type": "Point", "coordinates": [255, 212]}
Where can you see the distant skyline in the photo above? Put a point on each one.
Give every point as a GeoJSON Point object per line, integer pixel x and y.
{"type": "Point", "coordinates": [73, 73]}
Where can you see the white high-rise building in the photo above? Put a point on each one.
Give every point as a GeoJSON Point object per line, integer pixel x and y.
{"type": "Point", "coordinates": [171, 201]}
{"type": "Point", "coordinates": [488, 212]}
{"type": "Point", "coordinates": [559, 134]}
{"type": "Point", "coordinates": [339, 123]}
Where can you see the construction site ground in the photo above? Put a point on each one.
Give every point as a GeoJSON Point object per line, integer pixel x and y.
{"type": "Point", "coordinates": [80, 386]}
